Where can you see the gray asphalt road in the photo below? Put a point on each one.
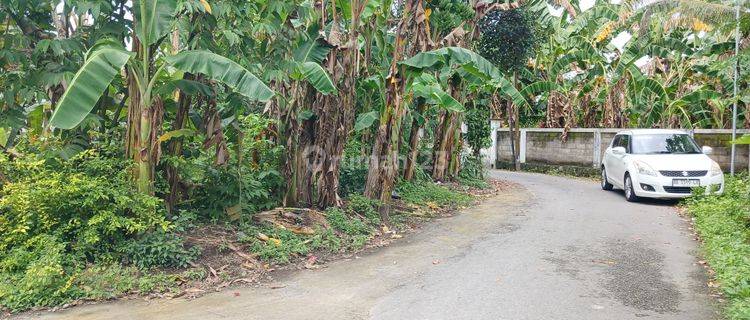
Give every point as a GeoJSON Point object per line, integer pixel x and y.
{"type": "Point", "coordinates": [557, 248]}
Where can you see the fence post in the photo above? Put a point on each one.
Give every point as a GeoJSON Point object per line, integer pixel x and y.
{"type": "Point", "coordinates": [522, 147]}
{"type": "Point", "coordinates": [597, 148]}
{"type": "Point", "coordinates": [494, 125]}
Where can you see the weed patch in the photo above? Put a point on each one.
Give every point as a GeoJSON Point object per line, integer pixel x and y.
{"type": "Point", "coordinates": [723, 223]}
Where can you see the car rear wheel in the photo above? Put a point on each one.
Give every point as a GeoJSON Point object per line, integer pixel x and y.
{"type": "Point", "coordinates": [629, 190]}
{"type": "Point", "coordinates": [605, 182]}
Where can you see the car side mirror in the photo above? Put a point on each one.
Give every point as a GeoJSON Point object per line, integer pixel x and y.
{"type": "Point", "coordinates": [707, 150]}
{"type": "Point", "coordinates": [618, 150]}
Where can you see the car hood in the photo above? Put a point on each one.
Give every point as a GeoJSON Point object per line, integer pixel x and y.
{"type": "Point", "coordinates": [676, 161]}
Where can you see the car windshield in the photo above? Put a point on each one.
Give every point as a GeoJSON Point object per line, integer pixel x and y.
{"type": "Point", "coordinates": [665, 143]}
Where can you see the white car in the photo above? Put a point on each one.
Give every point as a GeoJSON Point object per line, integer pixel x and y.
{"type": "Point", "coordinates": [658, 163]}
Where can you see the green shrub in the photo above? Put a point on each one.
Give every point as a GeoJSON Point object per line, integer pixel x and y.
{"type": "Point", "coordinates": [472, 172]}
{"type": "Point", "coordinates": [353, 172]}
{"type": "Point", "coordinates": [252, 181]}
{"type": "Point", "coordinates": [339, 220]}
{"type": "Point", "coordinates": [364, 206]}
{"type": "Point", "coordinates": [723, 224]}
{"type": "Point", "coordinates": [37, 273]}
{"type": "Point", "coordinates": [88, 213]}
{"type": "Point", "coordinates": [347, 232]}
{"type": "Point", "coordinates": [158, 249]}
{"type": "Point", "coordinates": [107, 281]}
{"type": "Point", "coordinates": [428, 193]}
{"type": "Point", "coordinates": [56, 216]}
{"type": "Point", "coordinates": [286, 244]}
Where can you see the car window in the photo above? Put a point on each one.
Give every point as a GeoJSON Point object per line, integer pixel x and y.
{"type": "Point", "coordinates": [616, 141]}
{"type": "Point", "coordinates": [665, 143]}
{"type": "Point", "coordinates": [625, 143]}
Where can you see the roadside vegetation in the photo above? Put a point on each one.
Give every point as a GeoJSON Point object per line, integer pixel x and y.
{"type": "Point", "coordinates": [77, 230]}
{"type": "Point", "coordinates": [723, 223]}
{"type": "Point", "coordinates": [170, 147]}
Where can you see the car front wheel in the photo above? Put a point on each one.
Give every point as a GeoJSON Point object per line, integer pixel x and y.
{"type": "Point", "coordinates": [629, 190]}
{"type": "Point", "coordinates": [605, 182]}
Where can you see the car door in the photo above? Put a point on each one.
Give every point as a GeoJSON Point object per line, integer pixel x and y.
{"type": "Point", "coordinates": [618, 161]}
{"type": "Point", "coordinates": [609, 158]}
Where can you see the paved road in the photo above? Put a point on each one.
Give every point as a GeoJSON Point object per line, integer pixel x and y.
{"type": "Point", "coordinates": [557, 248]}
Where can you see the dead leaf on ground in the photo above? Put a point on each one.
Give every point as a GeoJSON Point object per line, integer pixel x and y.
{"type": "Point", "coordinates": [310, 263]}
{"type": "Point", "coordinates": [262, 236]}
{"type": "Point", "coordinates": [433, 205]}
{"type": "Point", "coordinates": [234, 212]}
{"type": "Point", "coordinates": [274, 241]}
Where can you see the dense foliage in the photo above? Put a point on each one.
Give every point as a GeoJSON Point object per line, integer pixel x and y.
{"type": "Point", "coordinates": [508, 38]}
{"type": "Point", "coordinates": [723, 223]}
{"type": "Point", "coordinates": [125, 127]}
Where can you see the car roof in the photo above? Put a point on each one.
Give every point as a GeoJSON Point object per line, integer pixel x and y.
{"type": "Point", "coordinates": [652, 131]}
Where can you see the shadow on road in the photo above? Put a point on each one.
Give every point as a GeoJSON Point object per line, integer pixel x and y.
{"type": "Point", "coordinates": [652, 201]}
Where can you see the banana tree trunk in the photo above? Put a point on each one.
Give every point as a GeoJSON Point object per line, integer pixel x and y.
{"type": "Point", "coordinates": [175, 145]}
{"type": "Point", "coordinates": [414, 138]}
{"type": "Point", "coordinates": [440, 150]}
{"type": "Point", "coordinates": [315, 146]}
{"type": "Point", "coordinates": [145, 116]}
{"type": "Point", "coordinates": [383, 164]}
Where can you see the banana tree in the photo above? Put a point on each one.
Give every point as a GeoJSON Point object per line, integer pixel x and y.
{"type": "Point", "coordinates": [143, 67]}
{"type": "Point", "coordinates": [474, 69]}
{"type": "Point", "coordinates": [383, 163]}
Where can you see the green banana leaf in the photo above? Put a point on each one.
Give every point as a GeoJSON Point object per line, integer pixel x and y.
{"type": "Point", "coordinates": [155, 21]}
{"type": "Point", "coordinates": [87, 87]}
{"type": "Point", "coordinates": [366, 120]}
{"type": "Point", "coordinates": [311, 50]}
{"type": "Point", "coordinates": [224, 70]}
{"type": "Point", "coordinates": [318, 77]}
{"type": "Point", "coordinates": [308, 56]}
{"type": "Point", "coordinates": [539, 87]}
{"type": "Point", "coordinates": [471, 62]}
{"type": "Point", "coordinates": [426, 86]}
{"type": "Point", "coordinates": [4, 136]}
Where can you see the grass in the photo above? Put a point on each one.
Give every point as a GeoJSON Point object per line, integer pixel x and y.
{"type": "Point", "coordinates": [556, 170]}
{"type": "Point", "coordinates": [347, 229]}
{"type": "Point", "coordinates": [723, 223]}
{"type": "Point", "coordinates": [431, 194]}
{"type": "Point", "coordinates": [351, 227]}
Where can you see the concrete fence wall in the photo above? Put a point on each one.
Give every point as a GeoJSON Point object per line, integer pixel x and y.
{"type": "Point", "coordinates": [585, 146]}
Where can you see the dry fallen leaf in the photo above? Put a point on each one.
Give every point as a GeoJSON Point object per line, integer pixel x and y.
{"type": "Point", "coordinates": [310, 263]}
{"type": "Point", "coordinates": [194, 290]}
{"type": "Point", "coordinates": [302, 230]}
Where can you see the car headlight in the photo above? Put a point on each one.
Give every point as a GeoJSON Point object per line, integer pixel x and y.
{"type": "Point", "coordinates": [643, 168]}
{"type": "Point", "coordinates": [715, 169]}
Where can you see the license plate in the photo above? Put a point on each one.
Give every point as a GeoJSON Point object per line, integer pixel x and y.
{"type": "Point", "coordinates": [686, 182]}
